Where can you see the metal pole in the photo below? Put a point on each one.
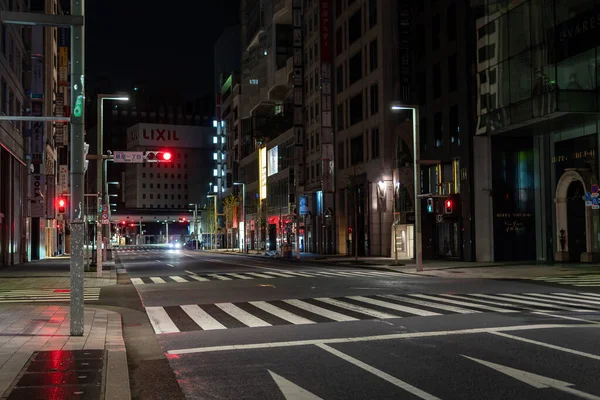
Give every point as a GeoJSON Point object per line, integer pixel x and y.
{"type": "Point", "coordinates": [297, 218]}
{"type": "Point", "coordinates": [244, 247]}
{"type": "Point", "coordinates": [99, 186]}
{"type": "Point", "coordinates": [77, 169]}
{"type": "Point", "coordinates": [196, 225]}
{"type": "Point", "coordinates": [417, 185]}
{"type": "Point", "coordinates": [167, 231]}
{"type": "Point", "coordinates": [216, 226]}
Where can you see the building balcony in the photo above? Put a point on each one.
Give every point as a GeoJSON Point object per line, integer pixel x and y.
{"type": "Point", "coordinates": [282, 12]}
{"type": "Point", "coordinates": [261, 105]}
{"type": "Point", "coordinates": [281, 86]}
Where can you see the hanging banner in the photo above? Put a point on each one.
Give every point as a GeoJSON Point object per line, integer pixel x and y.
{"type": "Point", "coordinates": [50, 196]}
{"type": "Point", "coordinates": [60, 138]}
{"type": "Point", "coordinates": [37, 195]}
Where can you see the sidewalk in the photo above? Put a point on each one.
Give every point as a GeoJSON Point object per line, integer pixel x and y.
{"type": "Point", "coordinates": [447, 269]}
{"type": "Point", "coordinates": [27, 329]}
{"type": "Point", "coordinates": [64, 366]}
{"type": "Point", "coordinates": [52, 273]}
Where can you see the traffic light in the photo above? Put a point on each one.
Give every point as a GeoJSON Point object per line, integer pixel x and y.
{"type": "Point", "coordinates": [430, 205]}
{"type": "Point", "coordinates": [448, 205]}
{"type": "Point", "coordinates": [157, 156]}
{"type": "Point", "coordinates": [61, 205]}
{"type": "Point", "coordinates": [229, 180]}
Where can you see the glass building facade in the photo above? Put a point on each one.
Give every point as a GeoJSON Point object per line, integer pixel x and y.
{"type": "Point", "coordinates": [538, 65]}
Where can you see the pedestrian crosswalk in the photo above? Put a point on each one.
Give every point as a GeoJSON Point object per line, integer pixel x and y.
{"type": "Point", "coordinates": [587, 280]}
{"type": "Point", "coordinates": [149, 280]}
{"type": "Point", "coordinates": [253, 314]}
{"type": "Point", "coordinates": [45, 295]}
{"type": "Point", "coordinates": [139, 249]}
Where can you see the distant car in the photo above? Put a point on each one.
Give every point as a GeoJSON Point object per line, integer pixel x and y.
{"type": "Point", "coordinates": [175, 245]}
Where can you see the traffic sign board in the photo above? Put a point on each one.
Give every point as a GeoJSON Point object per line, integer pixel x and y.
{"type": "Point", "coordinates": [104, 216]}
{"type": "Point", "coordinates": [595, 188]}
{"type": "Point", "coordinates": [595, 201]}
{"type": "Point", "coordinates": [104, 208]}
{"type": "Point", "coordinates": [129, 157]}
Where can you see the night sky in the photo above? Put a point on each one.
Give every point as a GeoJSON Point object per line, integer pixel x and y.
{"type": "Point", "coordinates": [160, 44]}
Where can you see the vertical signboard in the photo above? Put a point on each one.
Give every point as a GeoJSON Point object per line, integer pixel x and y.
{"type": "Point", "coordinates": [63, 179]}
{"type": "Point", "coordinates": [60, 137]}
{"type": "Point", "coordinates": [326, 98]}
{"type": "Point", "coordinates": [63, 56]}
{"type": "Point", "coordinates": [50, 196]}
{"type": "Point", "coordinates": [37, 195]}
{"type": "Point", "coordinates": [262, 172]}
{"type": "Point", "coordinates": [37, 142]}
{"type": "Point", "coordinates": [37, 78]}
{"type": "Point", "coordinates": [298, 93]}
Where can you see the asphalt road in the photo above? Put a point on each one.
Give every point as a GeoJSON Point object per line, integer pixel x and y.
{"type": "Point", "coordinates": [235, 327]}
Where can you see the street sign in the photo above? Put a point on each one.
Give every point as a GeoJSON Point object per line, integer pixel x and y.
{"type": "Point", "coordinates": [105, 218]}
{"type": "Point", "coordinates": [129, 157]}
{"type": "Point", "coordinates": [595, 201]}
{"type": "Point", "coordinates": [104, 208]}
{"type": "Point", "coordinates": [595, 188]}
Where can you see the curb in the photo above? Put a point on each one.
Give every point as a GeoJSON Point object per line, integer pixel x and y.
{"type": "Point", "coordinates": [117, 369]}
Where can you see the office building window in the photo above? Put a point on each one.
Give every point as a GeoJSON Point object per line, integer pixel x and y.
{"type": "Point", "coordinates": [356, 109]}
{"type": "Point", "coordinates": [375, 143]}
{"type": "Point", "coordinates": [372, 13]}
{"type": "Point", "coordinates": [355, 68]}
{"type": "Point", "coordinates": [373, 56]}
{"type": "Point", "coordinates": [340, 155]}
{"type": "Point", "coordinates": [438, 132]}
{"type": "Point", "coordinates": [453, 127]}
{"type": "Point", "coordinates": [339, 78]}
{"type": "Point", "coordinates": [356, 150]}
{"type": "Point", "coordinates": [451, 22]}
{"type": "Point", "coordinates": [435, 32]}
{"type": "Point", "coordinates": [143, 186]}
{"type": "Point", "coordinates": [423, 134]}
{"type": "Point", "coordinates": [143, 174]}
{"type": "Point", "coordinates": [437, 81]}
{"type": "Point", "coordinates": [340, 117]}
{"type": "Point", "coordinates": [143, 195]}
{"type": "Point", "coordinates": [374, 99]}
{"type": "Point", "coordinates": [339, 41]}
{"type": "Point", "coordinates": [354, 27]}
{"type": "Point", "coordinates": [452, 74]}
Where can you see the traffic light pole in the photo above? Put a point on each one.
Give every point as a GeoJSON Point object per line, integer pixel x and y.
{"type": "Point", "coordinates": [77, 168]}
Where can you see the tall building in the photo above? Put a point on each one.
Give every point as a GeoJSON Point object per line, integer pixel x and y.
{"type": "Point", "coordinates": [265, 110]}
{"type": "Point", "coordinates": [536, 144]}
{"type": "Point", "coordinates": [444, 65]}
{"type": "Point", "coordinates": [170, 185]}
{"type": "Point", "coordinates": [14, 163]}
{"type": "Point", "coordinates": [373, 143]}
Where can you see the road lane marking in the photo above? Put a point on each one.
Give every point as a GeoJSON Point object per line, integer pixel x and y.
{"type": "Point", "coordinates": [137, 281]}
{"type": "Point", "coordinates": [523, 300]}
{"type": "Point", "coordinates": [290, 390]}
{"type": "Point", "coordinates": [156, 279]}
{"type": "Point", "coordinates": [220, 277]}
{"type": "Point", "coordinates": [462, 303]}
{"type": "Point", "coordinates": [577, 296]}
{"type": "Point", "coordinates": [239, 276]}
{"type": "Point", "coordinates": [569, 318]}
{"type": "Point", "coordinates": [281, 313]}
{"type": "Point", "coordinates": [202, 318]}
{"type": "Point", "coordinates": [393, 306]}
{"type": "Point", "coordinates": [537, 381]}
{"type": "Point", "coordinates": [260, 275]}
{"type": "Point", "coordinates": [279, 274]}
{"type": "Point", "coordinates": [241, 315]}
{"type": "Point", "coordinates": [379, 373]}
{"type": "Point", "coordinates": [430, 304]}
{"type": "Point", "coordinates": [190, 272]}
{"type": "Point", "coordinates": [171, 265]}
{"type": "Point", "coordinates": [394, 336]}
{"type": "Point", "coordinates": [199, 278]}
{"type": "Point", "coordinates": [160, 320]}
{"type": "Point", "coordinates": [548, 345]}
{"type": "Point", "coordinates": [567, 301]}
{"type": "Point", "coordinates": [355, 308]}
{"type": "Point", "coordinates": [320, 311]}
{"type": "Point", "coordinates": [178, 279]}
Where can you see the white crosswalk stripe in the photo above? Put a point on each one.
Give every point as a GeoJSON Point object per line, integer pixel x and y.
{"type": "Point", "coordinates": [228, 276]}
{"type": "Point", "coordinates": [262, 314]}
{"type": "Point", "coordinates": [581, 280]}
{"type": "Point", "coordinates": [45, 295]}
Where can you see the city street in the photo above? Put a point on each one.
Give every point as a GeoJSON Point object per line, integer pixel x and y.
{"type": "Point", "coordinates": [235, 327]}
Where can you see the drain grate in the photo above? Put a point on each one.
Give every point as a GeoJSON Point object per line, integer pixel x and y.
{"type": "Point", "coordinates": [61, 374]}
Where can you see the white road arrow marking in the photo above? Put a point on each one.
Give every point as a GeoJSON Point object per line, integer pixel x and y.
{"type": "Point", "coordinates": [537, 381]}
{"type": "Point", "coordinates": [290, 390]}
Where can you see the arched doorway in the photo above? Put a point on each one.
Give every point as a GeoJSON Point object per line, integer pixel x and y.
{"type": "Point", "coordinates": [573, 218]}
{"type": "Point", "coordinates": [576, 236]}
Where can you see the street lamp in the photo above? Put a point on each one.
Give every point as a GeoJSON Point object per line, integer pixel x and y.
{"type": "Point", "coordinates": [243, 237]}
{"type": "Point", "coordinates": [215, 212]}
{"type": "Point", "coordinates": [101, 173]}
{"type": "Point", "coordinates": [417, 174]}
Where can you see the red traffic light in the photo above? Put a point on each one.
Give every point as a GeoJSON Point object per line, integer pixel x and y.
{"type": "Point", "coordinates": [166, 156]}
{"type": "Point", "coordinates": [61, 205]}
{"type": "Point", "coordinates": [124, 222]}
{"type": "Point", "coordinates": [131, 225]}
{"type": "Point", "coordinates": [158, 156]}
{"type": "Point", "coordinates": [448, 203]}
{"type": "Point", "coordinates": [448, 208]}
{"type": "Point", "coordinates": [61, 202]}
